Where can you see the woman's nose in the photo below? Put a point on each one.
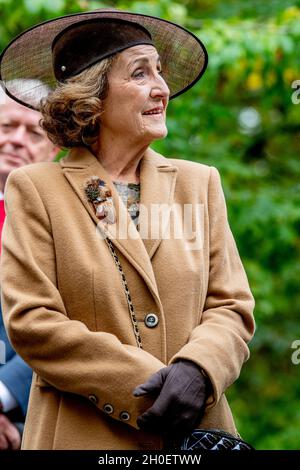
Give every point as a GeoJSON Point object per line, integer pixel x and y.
{"type": "Point", "coordinates": [160, 88]}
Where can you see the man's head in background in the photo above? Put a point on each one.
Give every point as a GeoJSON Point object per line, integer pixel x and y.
{"type": "Point", "coordinates": [22, 141]}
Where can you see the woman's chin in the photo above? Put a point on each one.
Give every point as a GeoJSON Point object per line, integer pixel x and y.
{"type": "Point", "coordinates": [158, 133]}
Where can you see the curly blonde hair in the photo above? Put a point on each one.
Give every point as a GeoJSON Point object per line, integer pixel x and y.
{"type": "Point", "coordinates": [71, 113]}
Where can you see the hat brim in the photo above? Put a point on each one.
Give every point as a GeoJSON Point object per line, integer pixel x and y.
{"type": "Point", "coordinates": [29, 56]}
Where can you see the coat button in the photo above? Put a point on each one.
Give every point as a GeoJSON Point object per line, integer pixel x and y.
{"type": "Point", "coordinates": [108, 408]}
{"type": "Point", "coordinates": [124, 416]}
{"type": "Point", "coordinates": [93, 399]}
{"type": "Point", "coordinates": [151, 320]}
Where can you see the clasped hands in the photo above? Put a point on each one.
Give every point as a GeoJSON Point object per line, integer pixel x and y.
{"type": "Point", "coordinates": [181, 391]}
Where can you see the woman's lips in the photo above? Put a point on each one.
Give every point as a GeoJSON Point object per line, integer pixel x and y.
{"type": "Point", "coordinates": [154, 111]}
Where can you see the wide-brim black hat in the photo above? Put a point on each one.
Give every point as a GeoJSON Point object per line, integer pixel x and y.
{"type": "Point", "coordinates": [27, 67]}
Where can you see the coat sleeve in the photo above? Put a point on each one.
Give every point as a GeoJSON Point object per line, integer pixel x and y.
{"type": "Point", "coordinates": [63, 352]}
{"type": "Point", "coordinates": [219, 343]}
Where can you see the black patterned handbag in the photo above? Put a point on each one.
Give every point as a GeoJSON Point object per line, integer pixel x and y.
{"type": "Point", "coordinates": [213, 439]}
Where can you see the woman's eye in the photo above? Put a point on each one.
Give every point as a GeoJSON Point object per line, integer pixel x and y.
{"type": "Point", "coordinates": [139, 74]}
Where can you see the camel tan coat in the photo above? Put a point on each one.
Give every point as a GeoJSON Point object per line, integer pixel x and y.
{"type": "Point", "coordinates": [66, 312]}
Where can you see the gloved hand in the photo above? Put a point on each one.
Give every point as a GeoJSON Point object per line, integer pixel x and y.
{"type": "Point", "coordinates": [182, 390]}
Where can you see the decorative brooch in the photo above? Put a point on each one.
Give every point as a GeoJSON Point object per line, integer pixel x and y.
{"type": "Point", "coordinates": [100, 196]}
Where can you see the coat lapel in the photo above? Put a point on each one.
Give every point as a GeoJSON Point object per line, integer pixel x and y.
{"type": "Point", "coordinates": [158, 178]}
{"type": "Point", "coordinates": [157, 187]}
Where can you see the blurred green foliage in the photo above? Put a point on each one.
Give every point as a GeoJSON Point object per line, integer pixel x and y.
{"type": "Point", "coordinates": [240, 118]}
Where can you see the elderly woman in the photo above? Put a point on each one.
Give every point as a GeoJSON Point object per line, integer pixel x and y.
{"type": "Point", "coordinates": [134, 332]}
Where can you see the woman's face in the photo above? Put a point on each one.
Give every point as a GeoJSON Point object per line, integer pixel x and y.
{"type": "Point", "coordinates": [136, 86]}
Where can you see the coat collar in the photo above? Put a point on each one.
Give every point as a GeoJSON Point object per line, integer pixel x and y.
{"type": "Point", "coordinates": [158, 177]}
{"type": "Point", "coordinates": [81, 157]}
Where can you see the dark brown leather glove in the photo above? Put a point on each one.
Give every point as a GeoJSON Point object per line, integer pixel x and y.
{"type": "Point", "coordinates": [181, 391]}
